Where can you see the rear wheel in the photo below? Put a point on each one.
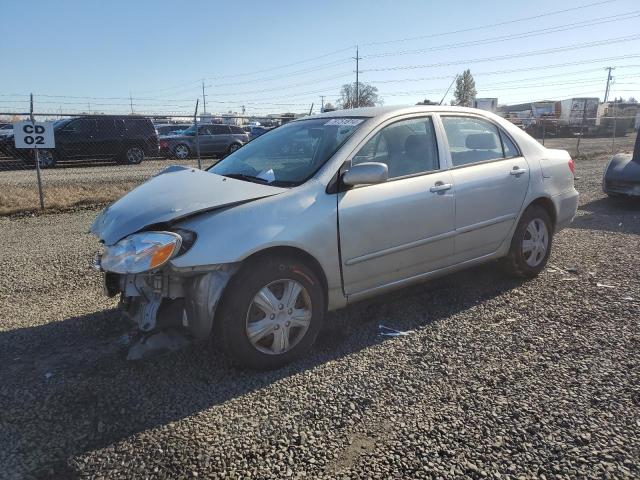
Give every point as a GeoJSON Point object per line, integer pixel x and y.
{"type": "Point", "coordinates": [133, 155]}
{"type": "Point", "coordinates": [531, 243]}
{"type": "Point", "coordinates": [271, 313]}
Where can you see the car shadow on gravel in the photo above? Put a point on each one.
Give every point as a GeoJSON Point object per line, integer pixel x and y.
{"type": "Point", "coordinates": [610, 214]}
{"type": "Point", "coordinates": [66, 388]}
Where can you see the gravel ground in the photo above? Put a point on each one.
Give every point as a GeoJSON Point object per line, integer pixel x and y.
{"type": "Point", "coordinates": [499, 378]}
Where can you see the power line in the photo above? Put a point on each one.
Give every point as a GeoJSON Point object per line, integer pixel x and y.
{"type": "Point", "coordinates": [576, 46]}
{"type": "Point", "coordinates": [531, 33]}
{"type": "Point", "coordinates": [490, 25]}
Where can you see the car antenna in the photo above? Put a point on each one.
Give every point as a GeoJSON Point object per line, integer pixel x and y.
{"type": "Point", "coordinates": [447, 92]}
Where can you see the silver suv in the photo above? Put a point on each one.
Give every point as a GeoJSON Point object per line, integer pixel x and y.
{"type": "Point", "coordinates": [214, 140]}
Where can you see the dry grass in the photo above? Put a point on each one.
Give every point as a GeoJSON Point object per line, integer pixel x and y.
{"type": "Point", "coordinates": [24, 199]}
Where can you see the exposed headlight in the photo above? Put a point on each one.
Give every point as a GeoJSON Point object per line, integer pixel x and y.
{"type": "Point", "coordinates": [141, 252]}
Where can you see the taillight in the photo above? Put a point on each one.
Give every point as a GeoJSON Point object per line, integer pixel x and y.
{"type": "Point", "coordinates": [164, 144]}
{"type": "Point", "coordinates": [572, 166]}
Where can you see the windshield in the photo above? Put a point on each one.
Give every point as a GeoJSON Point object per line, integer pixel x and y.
{"type": "Point", "coordinates": [290, 154]}
{"type": "Point", "coordinates": [61, 122]}
{"type": "Point", "coordinates": [189, 131]}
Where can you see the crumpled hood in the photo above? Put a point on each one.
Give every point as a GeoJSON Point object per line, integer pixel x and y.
{"type": "Point", "coordinates": [174, 193]}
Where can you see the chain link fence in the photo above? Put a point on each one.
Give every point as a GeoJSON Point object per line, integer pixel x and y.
{"type": "Point", "coordinates": [98, 158]}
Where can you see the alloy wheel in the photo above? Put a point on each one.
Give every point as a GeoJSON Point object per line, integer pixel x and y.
{"type": "Point", "coordinates": [182, 152]}
{"type": "Point", "coordinates": [535, 242]}
{"type": "Point", "coordinates": [135, 155]}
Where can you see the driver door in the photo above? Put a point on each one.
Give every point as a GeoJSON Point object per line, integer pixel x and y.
{"type": "Point", "coordinates": [404, 227]}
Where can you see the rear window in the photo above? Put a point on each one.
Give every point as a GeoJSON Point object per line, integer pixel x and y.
{"type": "Point", "coordinates": [140, 126]}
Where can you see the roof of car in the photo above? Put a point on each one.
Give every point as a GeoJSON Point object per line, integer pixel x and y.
{"type": "Point", "coordinates": [371, 112]}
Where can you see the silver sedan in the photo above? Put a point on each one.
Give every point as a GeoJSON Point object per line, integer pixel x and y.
{"type": "Point", "coordinates": [322, 212]}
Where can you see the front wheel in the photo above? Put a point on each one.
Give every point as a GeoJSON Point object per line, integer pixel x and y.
{"type": "Point", "coordinates": [47, 158]}
{"type": "Point", "coordinates": [272, 312]}
{"type": "Point", "coordinates": [182, 151]}
{"type": "Point", "coordinates": [232, 148]}
{"type": "Point", "coordinates": [531, 243]}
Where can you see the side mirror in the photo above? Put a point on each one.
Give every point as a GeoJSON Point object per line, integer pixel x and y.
{"type": "Point", "coordinates": [367, 173]}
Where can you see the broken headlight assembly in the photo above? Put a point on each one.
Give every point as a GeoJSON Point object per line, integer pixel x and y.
{"type": "Point", "coordinates": [141, 252]}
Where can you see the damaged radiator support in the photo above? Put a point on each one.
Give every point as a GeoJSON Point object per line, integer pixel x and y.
{"type": "Point", "coordinates": [170, 308]}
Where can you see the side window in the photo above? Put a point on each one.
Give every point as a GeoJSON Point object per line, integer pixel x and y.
{"type": "Point", "coordinates": [235, 129]}
{"type": "Point", "coordinates": [407, 147]}
{"type": "Point", "coordinates": [205, 130]}
{"type": "Point", "coordinates": [510, 150]}
{"type": "Point", "coordinates": [81, 125]}
{"type": "Point", "coordinates": [105, 126]}
{"type": "Point", "coordinates": [472, 140]}
{"type": "Point", "coordinates": [220, 129]}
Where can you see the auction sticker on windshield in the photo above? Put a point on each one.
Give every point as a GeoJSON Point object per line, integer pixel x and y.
{"type": "Point", "coordinates": [352, 122]}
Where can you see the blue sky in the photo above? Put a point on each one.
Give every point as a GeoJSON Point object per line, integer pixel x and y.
{"type": "Point", "coordinates": [281, 56]}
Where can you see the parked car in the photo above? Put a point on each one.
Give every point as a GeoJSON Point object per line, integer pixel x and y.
{"type": "Point", "coordinates": [6, 129]}
{"type": "Point", "coordinates": [170, 129]}
{"type": "Point", "coordinates": [257, 131]}
{"type": "Point", "coordinates": [123, 137]}
{"type": "Point", "coordinates": [214, 140]}
{"type": "Point", "coordinates": [622, 174]}
{"type": "Point", "coordinates": [256, 249]}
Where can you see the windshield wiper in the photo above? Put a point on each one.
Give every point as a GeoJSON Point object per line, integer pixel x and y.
{"type": "Point", "coordinates": [247, 178]}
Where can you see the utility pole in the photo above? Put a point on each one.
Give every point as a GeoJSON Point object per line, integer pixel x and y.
{"type": "Point", "coordinates": [321, 103]}
{"type": "Point", "coordinates": [204, 100]}
{"type": "Point", "coordinates": [311, 109]}
{"type": "Point", "coordinates": [131, 102]}
{"type": "Point", "coordinates": [609, 78]}
{"type": "Point", "coordinates": [357, 59]}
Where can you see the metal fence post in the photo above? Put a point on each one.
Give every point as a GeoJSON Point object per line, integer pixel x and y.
{"type": "Point", "coordinates": [543, 130]}
{"type": "Point", "coordinates": [36, 155]}
{"type": "Point", "coordinates": [195, 122]}
{"type": "Point", "coordinates": [613, 138]}
{"type": "Point", "coordinates": [584, 114]}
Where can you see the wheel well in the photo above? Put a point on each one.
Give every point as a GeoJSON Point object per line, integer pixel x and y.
{"type": "Point", "coordinates": [548, 205]}
{"type": "Point", "coordinates": [297, 253]}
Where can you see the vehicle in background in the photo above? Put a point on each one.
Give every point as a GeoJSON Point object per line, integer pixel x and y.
{"type": "Point", "coordinates": [578, 115]}
{"type": "Point", "coordinates": [325, 211]}
{"type": "Point", "coordinates": [170, 129]}
{"type": "Point", "coordinates": [6, 129]}
{"type": "Point", "coordinates": [488, 104]}
{"type": "Point", "coordinates": [214, 140]}
{"type": "Point", "coordinates": [622, 174]}
{"type": "Point", "coordinates": [126, 138]}
{"type": "Point", "coordinates": [257, 131]}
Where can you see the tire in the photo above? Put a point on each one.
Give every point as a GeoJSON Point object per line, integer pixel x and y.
{"type": "Point", "coordinates": [233, 147]}
{"type": "Point", "coordinates": [531, 243]}
{"type": "Point", "coordinates": [182, 151]}
{"type": "Point", "coordinates": [133, 155]}
{"type": "Point", "coordinates": [274, 320]}
{"type": "Point", "coordinates": [48, 158]}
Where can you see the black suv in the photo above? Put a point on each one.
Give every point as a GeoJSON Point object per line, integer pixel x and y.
{"type": "Point", "coordinates": [127, 138]}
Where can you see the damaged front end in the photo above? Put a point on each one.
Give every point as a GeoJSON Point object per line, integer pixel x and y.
{"type": "Point", "coordinates": [171, 307]}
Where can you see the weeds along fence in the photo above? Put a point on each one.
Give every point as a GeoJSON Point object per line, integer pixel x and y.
{"type": "Point", "coordinates": [98, 158]}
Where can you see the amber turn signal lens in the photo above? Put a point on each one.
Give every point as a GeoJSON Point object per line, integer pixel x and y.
{"type": "Point", "coordinates": [161, 255]}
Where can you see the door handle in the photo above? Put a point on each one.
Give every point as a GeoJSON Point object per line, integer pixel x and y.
{"type": "Point", "coordinates": [518, 171]}
{"type": "Point", "coordinates": [440, 187]}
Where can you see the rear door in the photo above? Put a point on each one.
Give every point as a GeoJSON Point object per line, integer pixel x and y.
{"type": "Point", "coordinates": [221, 138]}
{"type": "Point", "coordinates": [396, 230]}
{"type": "Point", "coordinates": [491, 180]}
{"type": "Point", "coordinates": [107, 137]}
